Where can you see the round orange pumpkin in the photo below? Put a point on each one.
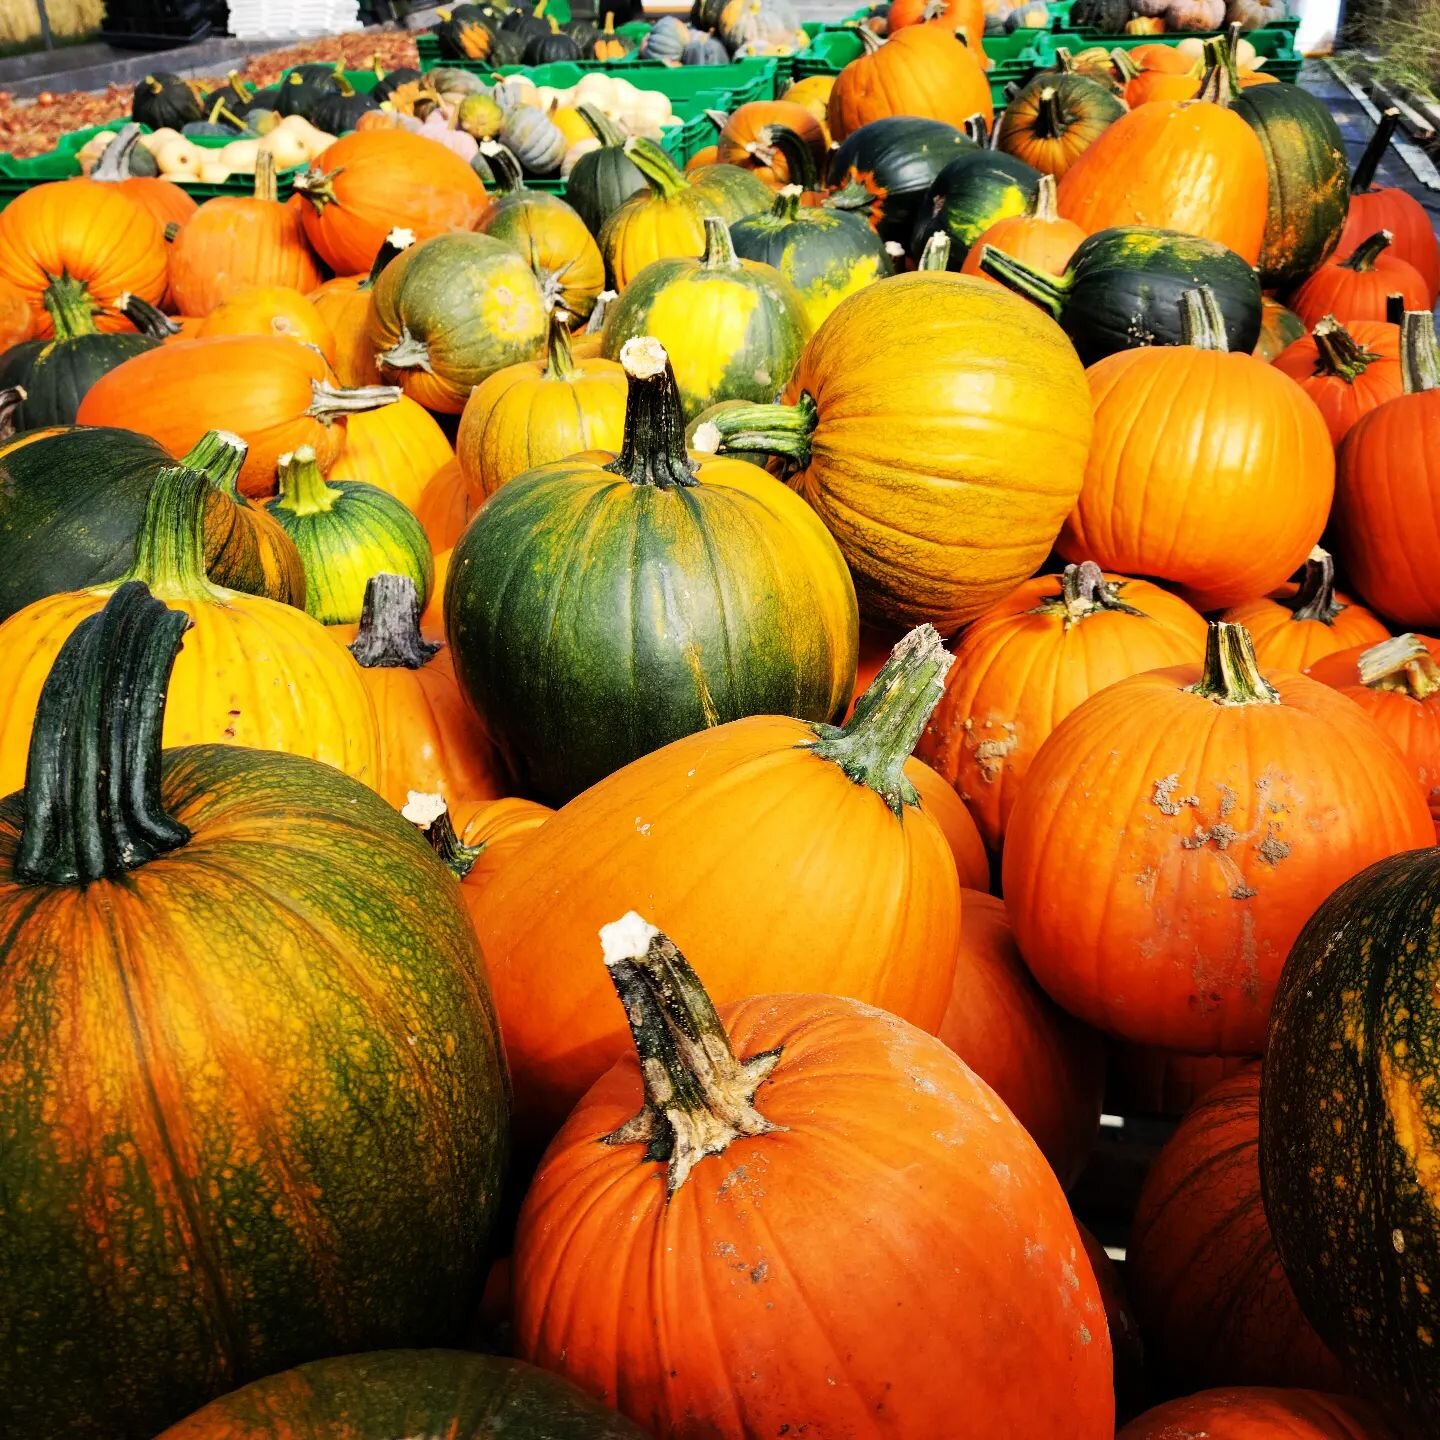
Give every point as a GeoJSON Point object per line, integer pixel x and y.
{"type": "Point", "coordinates": [397, 448]}
{"type": "Point", "coordinates": [1260, 1413]}
{"type": "Point", "coordinates": [269, 310]}
{"type": "Point", "coordinates": [1039, 237]}
{"type": "Point", "coordinates": [1346, 370]}
{"type": "Point", "coordinates": [972, 863]}
{"type": "Point", "coordinates": [746, 139]}
{"type": "Point", "coordinates": [446, 505]}
{"type": "Point", "coordinates": [1358, 287]}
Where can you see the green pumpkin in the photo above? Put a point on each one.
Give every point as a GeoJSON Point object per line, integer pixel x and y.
{"type": "Point", "coordinates": [125, 158]}
{"type": "Point", "coordinates": [1124, 285]}
{"type": "Point", "coordinates": [1350, 1131]}
{"type": "Point", "coordinates": [163, 100]}
{"type": "Point", "coordinates": [345, 533]}
{"type": "Point", "coordinates": [597, 611]}
{"type": "Point", "coordinates": [733, 328]}
{"type": "Point", "coordinates": [71, 505]}
{"type": "Point", "coordinates": [825, 253]}
{"type": "Point", "coordinates": [893, 162]}
{"type": "Point", "coordinates": [604, 179]}
{"type": "Point", "coordinates": [256, 1109]}
{"type": "Point", "coordinates": [302, 86]}
{"type": "Point", "coordinates": [968, 196]}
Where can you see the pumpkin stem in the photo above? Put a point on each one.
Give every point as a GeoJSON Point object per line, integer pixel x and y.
{"type": "Point", "coordinates": [505, 167]}
{"type": "Point", "coordinates": [329, 402]}
{"type": "Point", "coordinates": [389, 635]}
{"type": "Point", "coordinates": [1394, 309]}
{"type": "Point", "coordinates": [875, 742]}
{"type": "Point", "coordinates": [114, 164]}
{"type": "Point", "coordinates": [1202, 326]}
{"type": "Point", "coordinates": [303, 489]}
{"type": "Point", "coordinates": [719, 248]}
{"type": "Point", "coordinates": [602, 127]}
{"type": "Point", "coordinates": [1362, 259]}
{"type": "Point", "coordinates": [1125, 67]}
{"type": "Point", "coordinates": [1402, 664]}
{"type": "Point", "coordinates": [1084, 591]}
{"type": "Point", "coordinates": [1314, 597]}
{"type": "Point", "coordinates": [977, 130]}
{"type": "Point", "coordinates": [407, 353]}
{"type": "Point", "coordinates": [71, 310]}
{"type": "Point", "coordinates": [771, 429]}
{"type": "Point", "coordinates": [559, 358]}
{"type": "Point", "coordinates": [936, 254]}
{"type": "Point", "coordinates": [1338, 353]}
{"type": "Point", "coordinates": [1232, 674]}
{"type": "Point", "coordinates": [852, 196]}
{"type": "Point", "coordinates": [148, 319]}
{"type": "Point", "coordinates": [660, 171]}
{"type": "Point", "coordinates": [219, 456]}
{"type": "Point", "coordinates": [799, 160]}
{"type": "Point", "coordinates": [1419, 363]}
{"type": "Point", "coordinates": [1047, 124]}
{"type": "Point", "coordinates": [266, 187]}
{"type": "Point", "coordinates": [395, 243]}
{"type": "Point", "coordinates": [92, 783]}
{"type": "Point", "coordinates": [1044, 205]}
{"type": "Point", "coordinates": [1363, 176]}
{"type": "Point", "coordinates": [787, 204]}
{"type": "Point", "coordinates": [12, 397]}
{"type": "Point", "coordinates": [595, 325]}
{"type": "Point", "coordinates": [1049, 292]}
{"type": "Point", "coordinates": [698, 1096]}
{"type": "Point", "coordinates": [869, 40]}
{"type": "Point", "coordinates": [170, 545]}
{"type": "Point", "coordinates": [315, 185]}
{"type": "Point", "coordinates": [432, 815]}
{"type": "Point", "coordinates": [654, 449]}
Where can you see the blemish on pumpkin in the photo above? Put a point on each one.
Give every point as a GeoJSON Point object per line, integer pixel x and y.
{"type": "Point", "coordinates": [1243, 892]}
{"type": "Point", "coordinates": [1164, 798]}
{"type": "Point", "coordinates": [1271, 850]}
{"type": "Point", "coordinates": [1397, 1239]}
{"type": "Point", "coordinates": [758, 1274]}
{"type": "Point", "coordinates": [1084, 1334]}
{"type": "Point", "coordinates": [1228, 799]}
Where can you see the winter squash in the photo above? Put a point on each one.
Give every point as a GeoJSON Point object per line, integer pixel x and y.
{"type": "Point", "coordinates": [603, 179]}
{"type": "Point", "coordinates": [1298, 624]}
{"type": "Point", "coordinates": [1347, 1073]}
{"type": "Point", "coordinates": [1356, 288]}
{"type": "Point", "coordinates": [447, 312]}
{"type": "Point", "coordinates": [81, 240]}
{"type": "Point", "coordinates": [540, 411]}
{"type": "Point", "coordinates": [1206, 1280]}
{"type": "Point", "coordinates": [1055, 119]}
{"type": "Point", "coordinates": [74, 501]}
{"type": "Point", "coordinates": [232, 242]}
{"type": "Point", "coordinates": [166, 201]}
{"type": "Point", "coordinates": [479, 840]}
{"type": "Point", "coordinates": [345, 533]}
{"type": "Point", "coordinates": [1125, 1343]}
{"type": "Point", "coordinates": [185, 893]}
{"type": "Point", "coordinates": [365, 185]}
{"type": "Point", "coordinates": [1385, 489]}
{"type": "Point", "coordinates": [967, 849]}
{"type": "Point", "coordinates": [398, 448]}
{"type": "Point", "coordinates": [1025, 664]}
{"type": "Point", "coordinates": [406, 1392]}
{"type": "Point", "coordinates": [253, 673]}
{"type": "Point", "coordinates": [1192, 444]}
{"type": "Point", "coordinates": [550, 235]}
{"type": "Point", "coordinates": [446, 507]}
{"type": "Point", "coordinates": [921, 71]}
{"type": "Point", "coordinates": [969, 195]}
{"type": "Point", "coordinates": [1108, 16]}
{"type": "Point", "coordinates": [17, 322]}
{"type": "Point", "coordinates": [1048, 1068]}
{"type": "Point", "coordinates": [941, 557]}
{"type": "Point", "coordinates": [1124, 289]}
{"type": "Point", "coordinates": [1173, 791]}
{"type": "Point", "coordinates": [274, 394]}
{"type": "Point", "coordinates": [803, 1090]}
{"type": "Point", "coordinates": [967, 16]}
{"type": "Point", "coordinates": [733, 328]}
{"type": "Point", "coordinates": [164, 100]}
{"type": "Point", "coordinates": [1146, 80]}
{"type": "Point", "coordinates": [430, 740]}
{"type": "Point", "coordinates": [1279, 327]}
{"type": "Point", "coordinates": [270, 310]}
{"type": "Point", "coordinates": [717, 553]}
{"type": "Point", "coordinates": [1260, 1413]}
{"type": "Point", "coordinates": [747, 139]}
{"type": "Point", "coordinates": [1347, 372]}
{"type": "Point", "coordinates": [344, 305]}
{"type": "Point", "coordinates": [1383, 207]}
{"type": "Point", "coordinates": [1037, 237]}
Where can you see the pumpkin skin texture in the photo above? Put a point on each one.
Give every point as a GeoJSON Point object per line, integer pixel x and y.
{"type": "Point", "coordinates": [1055, 119]}
{"type": "Point", "coordinates": [17, 320]}
{"type": "Point", "coordinates": [406, 1392]}
{"type": "Point", "coordinates": [1258, 1413]}
{"type": "Point", "coordinates": [1346, 1086]}
{"type": "Point", "coordinates": [365, 185]}
{"type": "Point", "coordinates": [87, 231]}
{"type": "Point", "coordinates": [449, 312]}
{"type": "Point", "coordinates": [398, 448]}
{"type": "Point", "coordinates": [1178, 795]}
{"type": "Point", "coordinates": [1204, 1274]}
{"type": "Point", "coordinates": [1347, 370]}
{"type": "Point", "coordinates": [1048, 1068]}
{"type": "Point", "coordinates": [943, 527]}
{"type": "Point", "coordinates": [857, 1099]}
{"type": "Point", "coordinates": [969, 195]}
{"type": "Point", "coordinates": [1279, 327]}
{"type": "Point", "coordinates": [705, 592]}
{"type": "Point", "coordinates": [344, 305]}
{"type": "Point", "coordinates": [446, 507]}
{"type": "Point", "coordinates": [972, 863]}
{"type": "Point", "coordinates": [240, 1233]}
{"type": "Point", "coordinates": [1358, 286]}
{"type": "Point", "coordinates": [888, 939]}
{"type": "Point", "coordinates": [1025, 664]}
{"type": "Point", "coordinates": [270, 310]}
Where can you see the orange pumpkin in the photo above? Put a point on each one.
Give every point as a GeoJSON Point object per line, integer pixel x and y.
{"type": "Point", "coordinates": [1039, 237]}
{"type": "Point", "coordinates": [1260, 1413]}
{"type": "Point", "coordinates": [746, 139]}
{"type": "Point", "coordinates": [344, 305]}
{"type": "Point", "coordinates": [1214, 809]}
{"type": "Point", "coordinates": [397, 448]}
{"type": "Point", "coordinates": [446, 505]}
{"type": "Point", "coordinates": [17, 319]}
{"type": "Point", "coordinates": [1024, 665]}
{"type": "Point", "coordinates": [365, 185]}
{"type": "Point", "coordinates": [1346, 370]}
{"type": "Point", "coordinates": [275, 394]}
{"type": "Point", "coordinates": [1359, 286]}
{"type": "Point", "coordinates": [1301, 623]}
{"type": "Point", "coordinates": [167, 202]}
{"type": "Point", "coordinates": [972, 864]}
{"type": "Point", "coordinates": [433, 620]}
{"type": "Point", "coordinates": [843, 881]}
{"type": "Point", "coordinates": [269, 310]}
{"type": "Point", "coordinates": [964, 17]}
{"type": "Point", "coordinates": [83, 239]}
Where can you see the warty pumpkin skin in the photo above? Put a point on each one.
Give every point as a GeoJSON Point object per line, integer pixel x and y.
{"type": "Point", "coordinates": [262, 949]}
{"type": "Point", "coordinates": [940, 528]}
{"type": "Point", "coordinates": [344, 305]}
{"type": "Point", "coordinates": [837, 1113]}
{"type": "Point", "coordinates": [1358, 286]}
{"type": "Point", "coordinates": [454, 1393]}
{"type": "Point", "coordinates": [1055, 119]}
{"type": "Point", "coordinates": [274, 394]}
{"type": "Point", "coordinates": [253, 673]}
{"type": "Point", "coordinates": [1025, 664]}
{"type": "Point", "coordinates": [1260, 1413]}
{"type": "Point", "coordinates": [1348, 1129]}
{"type": "Point", "coordinates": [1222, 805]}
{"type": "Point", "coordinates": [1301, 623]}
{"type": "Point", "coordinates": [652, 594]}
{"type": "Point", "coordinates": [397, 448]}
{"type": "Point", "coordinates": [540, 411]}
{"type": "Point", "coordinates": [1202, 1267]}
{"type": "Point", "coordinates": [813, 880]}
{"type": "Point", "coordinates": [1347, 370]}
{"type": "Point", "coordinates": [270, 310]}
{"type": "Point", "coordinates": [1193, 444]}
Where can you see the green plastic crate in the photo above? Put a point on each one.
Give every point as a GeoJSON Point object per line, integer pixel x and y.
{"type": "Point", "coordinates": [1276, 46]}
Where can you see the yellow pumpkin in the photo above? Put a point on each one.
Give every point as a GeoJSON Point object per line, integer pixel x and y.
{"type": "Point", "coordinates": [399, 449]}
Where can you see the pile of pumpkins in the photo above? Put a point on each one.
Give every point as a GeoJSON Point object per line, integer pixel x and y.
{"type": "Point", "coordinates": [600, 788]}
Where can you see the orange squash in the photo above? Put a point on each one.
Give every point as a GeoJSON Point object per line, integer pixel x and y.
{"type": "Point", "coordinates": [965, 17]}
{"type": "Point", "coordinates": [398, 448]}
{"type": "Point", "coordinates": [746, 139]}
{"type": "Point", "coordinates": [972, 863]}
{"type": "Point", "coordinates": [17, 319]}
{"type": "Point", "coordinates": [1346, 370]}
{"type": "Point", "coordinates": [1260, 1413]}
{"type": "Point", "coordinates": [1039, 237]}
{"type": "Point", "coordinates": [167, 202]}
{"type": "Point", "coordinates": [269, 310]}
{"type": "Point", "coordinates": [344, 305]}
{"type": "Point", "coordinates": [446, 505]}
{"type": "Point", "coordinates": [1358, 287]}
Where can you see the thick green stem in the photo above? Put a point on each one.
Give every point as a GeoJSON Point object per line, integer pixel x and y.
{"type": "Point", "coordinates": [719, 248]}
{"type": "Point", "coordinates": [170, 545]}
{"type": "Point", "coordinates": [1338, 353]}
{"type": "Point", "coordinates": [869, 40]}
{"type": "Point", "coordinates": [661, 173]}
{"type": "Point", "coordinates": [395, 243]}
{"type": "Point", "coordinates": [303, 489]}
{"type": "Point", "coordinates": [1402, 664]}
{"type": "Point", "coordinates": [1220, 82]}
{"type": "Point", "coordinates": [1045, 204]}
{"type": "Point", "coordinates": [559, 359]}
{"type": "Point", "coordinates": [1125, 67]}
{"type": "Point", "coordinates": [1047, 124]}
{"type": "Point", "coordinates": [148, 319]}
{"type": "Point", "coordinates": [1394, 309]}
{"type": "Point", "coordinates": [389, 635]}
{"type": "Point", "coordinates": [1202, 326]}
{"type": "Point", "coordinates": [602, 127]}
{"type": "Point", "coordinates": [1362, 259]}
{"type": "Point", "coordinates": [93, 809]}
{"type": "Point", "coordinates": [317, 186]}
{"type": "Point", "coordinates": [876, 741]}
{"type": "Point", "coordinates": [1049, 292]}
{"type": "Point", "coordinates": [799, 160]}
{"type": "Point", "coordinates": [219, 456]}
{"type": "Point", "coordinates": [699, 1098]}
{"type": "Point", "coordinates": [1314, 597]}
{"type": "Point", "coordinates": [430, 813]}
{"type": "Point", "coordinates": [787, 205]}
{"type": "Point", "coordinates": [71, 310]}
{"type": "Point", "coordinates": [1419, 363]}
{"type": "Point", "coordinates": [654, 449]}
{"type": "Point", "coordinates": [1232, 675]}
{"type": "Point", "coordinates": [1084, 591]}
{"type": "Point", "coordinates": [409, 352]}
{"type": "Point", "coordinates": [329, 402]}
{"type": "Point", "coordinates": [1363, 176]}
{"type": "Point", "coordinates": [936, 254]}
{"type": "Point", "coordinates": [771, 429]}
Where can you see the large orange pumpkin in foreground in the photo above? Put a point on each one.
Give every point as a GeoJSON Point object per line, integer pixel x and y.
{"type": "Point", "coordinates": [810, 1218]}
{"type": "Point", "coordinates": [1178, 829]}
{"type": "Point", "coordinates": [1259, 1413]}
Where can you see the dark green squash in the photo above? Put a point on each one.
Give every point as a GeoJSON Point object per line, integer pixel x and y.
{"type": "Point", "coordinates": [895, 161]}
{"type": "Point", "coordinates": [125, 158]}
{"type": "Point", "coordinates": [304, 85]}
{"type": "Point", "coordinates": [968, 196]}
{"type": "Point", "coordinates": [1123, 289]}
{"type": "Point", "coordinates": [259, 1112]}
{"type": "Point", "coordinates": [237, 95]}
{"type": "Point", "coordinates": [341, 111]}
{"type": "Point", "coordinates": [704, 49]}
{"type": "Point", "coordinates": [596, 611]}
{"type": "Point", "coordinates": [1350, 1128]}
{"type": "Point", "coordinates": [604, 179]}
{"type": "Point", "coordinates": [71, 505]}
{"type": "Point", "coordinates": [164, 100]}
{"type": "Point", "coordinates": [553, 45]}
{"type": "Point", "coordinates": [391, 80]}
{"type": "Point", "coordinates": [1109, 17]}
